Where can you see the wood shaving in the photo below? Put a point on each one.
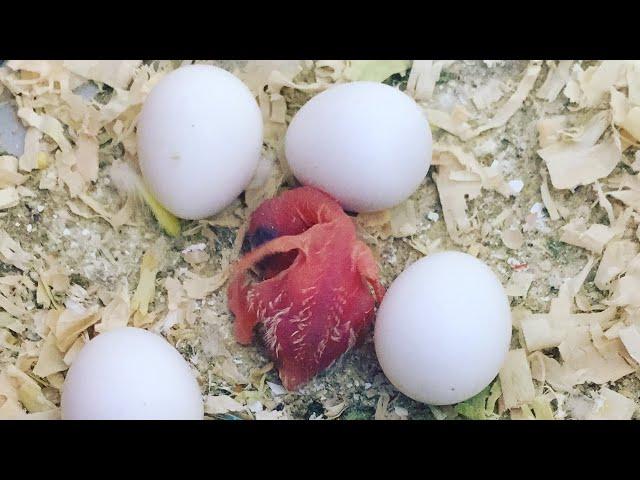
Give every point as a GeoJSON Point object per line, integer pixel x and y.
{"type": "Point", "coordinates": [549, 203]}
{"type": "Point", "coordinates": [145, 291]}
{"type": "Point", "coordinates": [116, 313]}
{"type": "Point", "coordinates": [630, 338]}
{"type": "Point", "coordinates": [571, 167]}
{"type": "Point", "coordinates": [71, 323]}
{"type": "Point", "coordinates": [611, 406]}
{"type": "Point", "coordinates": [403, 220]}
{"type": "Point", "coordinates": [9, 176]}
{"type": "Point", "coordinates": [557, 77]}
{"type": "Point", "coordinates": [423, 77]}
{"type": "Point", "coordinates": [617, 255]}
{"type": "Point", "coordinates": [519, 284]}
{"type": "Point", "coordinates": [218, 404]}
{"type": "Point", "coordinates": [51, 359]}
{"type": "Point", "coordinates": [514, 103]}
{"type": "Point", "coordinates": [594, 238]}
{"type": "Point", "coordinates": [9, 198]}
{"type": "Point", "coordinates": [12, 253]}
{"type": "Point", "coordinates": [115, 73]}
{"type": "Point", "coordinates": [198, 287]}
{"type": "Point", "coordinates": [515, 380]}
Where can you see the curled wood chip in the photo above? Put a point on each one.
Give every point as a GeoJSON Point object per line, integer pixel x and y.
{"type": "Point", "coordinates": [631, 122]}
{"type": "Point", "coordinates": [610, 405]}
{"type": "Point", "coordinates": [626, 290]}
{"type": "Point", "coordinates": [271, 415]}
{"type": "Point", "coordinates": [116, 313]}
{"type": "Point", "coordinates": [454, 193]}
{"type": "Point", "coordinates": [579, 160]}
{"type": "Point", "coordinates": [175, 293]}
{"type": "Point", "coordinates": [628, 197]}
{"type": "Point", "coordinates": [265, 183]}
{"type": "Point", "coordinates": [218, 404]}
{"type": "Point", "coordinates": [605, 204]}
{"type": "Point", "coordinates": [334, 411]}
{"type": "Point", "coordinates": [29, 392]}
{"type": "Point", "coordinates": [542, 331]}
{"type": "Point", "coordinates": [71, 323]}
{"type": "Point", "coordinates": [615, 259]}
{"type": "Point", "coordinates": [65, 163]}
{"type": "Point", "coordinates": [619, 106]}
{"type": "Point", "coordinates": [454, 124]}
{"type": "Point", "coordinates": [580, 355]}
{"type": "Point", "coordinates": [404, 219]}
{"type": "Point", "coordinates": [594, 238]}
{"type": "Point", "coordinates": [519, 284]}
{"type": "Point", "coordinates": [630, 338]}
{"type": "Point", "coordinates": [506, 111]}
{"type": "Point", "coordinates": [597, 81]}
{"type": "Point", "coordinates": [548, 201]}
{"type": "Point", "coordinates": [230, 372]}
{"type": "Point", "coordinates": [549, 129]}
{"type": "Point", "coordinates": [423, 77]}
{"type": "Point", "coordinates": [12, 253]}
{"type": "Point", "coordinates": [198, 287]}
{"type": "Point", "coordinates": [556, 79]}
{"type": "Point", "coordinates": [570, 165]}
{"type": "Point", "coordinates": [538, 370]}
{"type": "Point", "coordinates": [10, 409]}
{"type": "Point", "coordinates": [86, 152]}
{"type": "Point", "coordinates": [74, 350]}
{"type": "Point", "coordinates": [488, 94]}
{"type": "Point", "coordinates": [9, 198]}
{"type": "Point", "coordinates": [145, 291]}
{"type": "Point", "coordinates": [50, 360]}
{"type": "Point", "coordinates": [9, 176]}
{"type": "Point", "coordinates": [32, 157]}
{"type": "Point", "coordinates": [46, 124]}
{"type": "Point", "coordinates": [515, 380]}
{"type": "Point", "coordinates": [560, 377]}
{"type": "Point", "coordinates": [11, 323]}
{"type": "Point", "coordinates": [115, 73]}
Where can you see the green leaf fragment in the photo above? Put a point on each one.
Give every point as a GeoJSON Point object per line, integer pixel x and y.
{"type": "Point", "coordinates": [169, 222]}
{"type": "Point", "coordinates": [475, 407]}
{"type": "Point", "coordinates": [482, 406]}
{"type": "Point", "coordinates": [375, 70]}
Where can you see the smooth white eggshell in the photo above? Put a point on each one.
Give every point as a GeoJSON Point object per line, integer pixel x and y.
{"type": "Point", "coordinates": [365, 143]}
{"type": "Point", "coordinates": [199, 140]}
{"type": "Point", "coordinates": [130, 374]}
{"type": "Point", "coordinates": [443, 329]}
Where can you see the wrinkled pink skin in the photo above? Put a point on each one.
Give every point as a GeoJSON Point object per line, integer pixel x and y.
{"type": "Point", "coordinates": [315, 298]}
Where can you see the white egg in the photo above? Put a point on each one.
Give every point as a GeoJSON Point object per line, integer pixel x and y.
{"type": "Point", "coordinates": [367, 144]}
{"type": "Point", "coordinates": [130, 374]}
{"type": "Point", "coordinates": [199, 140]}
{"type": "Point", "coordinates": [443, 329]}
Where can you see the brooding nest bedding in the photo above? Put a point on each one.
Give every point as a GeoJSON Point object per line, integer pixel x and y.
{"type": "Point", "coordinates": [535, 171]}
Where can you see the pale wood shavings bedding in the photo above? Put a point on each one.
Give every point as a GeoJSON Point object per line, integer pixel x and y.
{"type": "Point", "coordinates": [535, 171]}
